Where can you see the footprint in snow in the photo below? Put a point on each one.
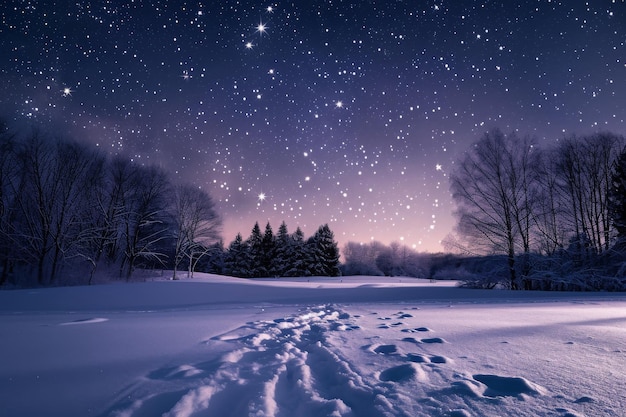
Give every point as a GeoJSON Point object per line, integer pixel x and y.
{"type": "Point", "coordinates": [386, 349]}
{"type": "Point", "coordinates": [259, 371]}
{"type": "Point", "coordinates": [433, 340]}
{"type": "Point", "coordinates": [416, 330]}
{"type": "Point", "coordinates": [398, 373]}
{"type": "Point", "coordinates": [343, 327]}
{"type": "Point", "coordinates": [419, 358]}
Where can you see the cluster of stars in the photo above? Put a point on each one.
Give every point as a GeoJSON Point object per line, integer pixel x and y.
{"type": "Point", "coordinates": [349, 112]}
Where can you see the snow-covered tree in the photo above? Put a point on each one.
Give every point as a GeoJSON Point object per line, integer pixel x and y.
{"type": "Point", "coordinates": [283, 251]}
{"type": "Point", "coordinates": [237, 259]}
{"type": "Point", "coordinates": [255, 249]}
{"type": "Point", "coordinates": [323, 253]}
{"type": "Point", "coordinates": [268, 249]}
{"type": "Point", "coordinates": [297, 255]}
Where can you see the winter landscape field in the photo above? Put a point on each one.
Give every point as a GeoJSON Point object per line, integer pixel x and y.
{"type": "Point", "coordinates": [358, 346]}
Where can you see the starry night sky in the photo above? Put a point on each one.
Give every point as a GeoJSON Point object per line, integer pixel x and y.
{"type": "Point", "coordinates": [350, 113]}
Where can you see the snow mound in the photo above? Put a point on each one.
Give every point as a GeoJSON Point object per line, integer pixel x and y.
{"type": "Point", "coordinates": [399, 373]}
{"type": "Point", "coordinates": [499, 386]}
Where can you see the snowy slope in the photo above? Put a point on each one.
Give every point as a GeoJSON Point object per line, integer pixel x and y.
{"type": "Point", "coordinates": [219, 346]}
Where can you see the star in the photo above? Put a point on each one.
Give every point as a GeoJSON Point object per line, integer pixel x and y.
{"type": "Point", "coordinates": [67, 92]}
{"type": "Point", "coordinates": [186, 76]}
{"type": "Point", "coordinates": [269, 9]}
{"type": "Point", "coordinates": [249, 45]}
{"type": "Point", "coordinates": [261, 28]}
{"type": "Point", "coordinates": [339, 104]}
{"type": "Point", "coordinates": [262, 196]}
{"type": "Point", "coordinates": [438, 167]}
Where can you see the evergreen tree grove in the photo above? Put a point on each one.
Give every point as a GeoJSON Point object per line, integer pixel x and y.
{"type": "Point", "coordinates": [283, 255]}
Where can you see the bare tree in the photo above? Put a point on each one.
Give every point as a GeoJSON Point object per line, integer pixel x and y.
{"type": "Point", "coordinates": [52, 195]}
{"type": "Point", "coordinates": [143, 217]}
{"type": "Point", "coordinates": [360, 258]}
{"type": "Point", "coordinates": [9, 177]}
{"type": "Point", "coordinates": [549, 212]}
{"type": "Point", "coordinates": [494, 185]}
{"type": "Point", "coordinates": [584, 170]}
{"type": "Point", "coordinates": [196, 225]}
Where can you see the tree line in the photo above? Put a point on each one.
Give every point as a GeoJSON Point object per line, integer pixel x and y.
{"type": "Point", "coordinates": [555, 215]}
{"type": "Point", "coordinates": [265, 254]}
{"type": "Point", "coordinates": [69, 211]}
{"type": "Point", "coordinates": [528, 217]}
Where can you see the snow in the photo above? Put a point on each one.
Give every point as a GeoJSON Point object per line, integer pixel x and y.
{"type": "Point", "coordinates": [352, 346]}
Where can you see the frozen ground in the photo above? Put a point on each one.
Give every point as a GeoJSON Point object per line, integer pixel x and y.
{"type": "Point", "coordinates": [217, 346]}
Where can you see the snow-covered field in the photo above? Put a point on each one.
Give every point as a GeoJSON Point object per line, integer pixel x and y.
{"type": "Point", "coordinates": [218, 346]}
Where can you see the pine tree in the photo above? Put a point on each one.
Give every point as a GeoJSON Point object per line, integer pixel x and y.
{"type": "Point", "coordinates": [255, 246]}
{"type": "Point", "coordinates": [268, 249]}
{"type": "Point", "coordinates": [237, 259]}
{"type": "Point", "coordinates": [282, 253]}
{"type": "Point", "coordinates": [297, 256]}
{"type": "Point", "coordinates": [324, 253]}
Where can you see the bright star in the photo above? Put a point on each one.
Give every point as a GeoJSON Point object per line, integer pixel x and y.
{"type": "Point", "coordinates": [67, 92]}
{"type": "Point", "coordinates": [438, 167]}
{"type": "Point", "coordinates": [261, 28]}
{"type": "Point", "coordinates": [339, 104]}
{"type": "Point", "coordinates": [249, 45]}
{"type": "Point", "coordinates": [269, 9]}
{"type": "Point", "coordinates": [262, 197]}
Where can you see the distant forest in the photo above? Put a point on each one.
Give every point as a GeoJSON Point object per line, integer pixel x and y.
{"type": "Point", "coordinates": [529, 218]}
